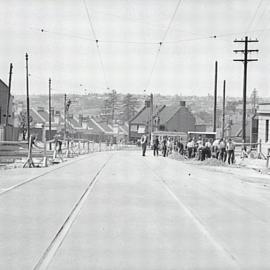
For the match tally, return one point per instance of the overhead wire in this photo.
(97, 44)
(154, 65)
(139, 42)
(171, 20)
(254, 15)
(161, 42)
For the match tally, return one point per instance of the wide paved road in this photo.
(119, 210)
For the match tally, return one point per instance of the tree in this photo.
(111, 106)
(129, 107)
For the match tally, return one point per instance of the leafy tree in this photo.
(129, 105)
(111, 106)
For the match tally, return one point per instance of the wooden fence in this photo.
(43, 153)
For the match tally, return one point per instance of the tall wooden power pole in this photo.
(223, 109)
(27, 99)
(151, 116)
(9, 90)
(215, 98)
(50, 113)
(65, 116)
(246, 41)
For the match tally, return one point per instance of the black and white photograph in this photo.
(134, 134)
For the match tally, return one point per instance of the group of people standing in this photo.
(220, 149)
(166, 146)
(201, 148)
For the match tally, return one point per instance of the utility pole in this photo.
(246, 41)
(113, 103)
(27, 99)
(215, 97)
(65, 116)
(151, 116)
(223, 109)
(8, 97)
(50, 113)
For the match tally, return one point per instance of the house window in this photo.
(266, 130)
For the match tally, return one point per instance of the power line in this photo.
(254, 16)
(154, 65)
(171, 20)
(264, 11)
(246, 41)
(163, 39)
(139, 42)
(97, 44)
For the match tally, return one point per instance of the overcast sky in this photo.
(129, 32)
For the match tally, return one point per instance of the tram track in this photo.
(59, 237)
(32, 179)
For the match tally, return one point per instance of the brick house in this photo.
(177, 118)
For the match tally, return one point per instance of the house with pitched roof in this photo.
(165, 118)
(3, 105)
(40, 118)
(7, 130)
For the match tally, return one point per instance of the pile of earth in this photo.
(177, 156)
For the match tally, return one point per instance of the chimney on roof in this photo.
(182, 103)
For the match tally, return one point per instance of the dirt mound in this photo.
(214, 162)
(176, 156)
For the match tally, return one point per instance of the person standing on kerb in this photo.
(156, 146)
(144, 144)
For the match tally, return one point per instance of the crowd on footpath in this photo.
(200, 149)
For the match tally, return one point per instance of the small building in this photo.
(7, 130)
(39, 118)
(263, 116)
(177, 118)
(3, 105)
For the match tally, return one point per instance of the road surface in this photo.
(119, 210)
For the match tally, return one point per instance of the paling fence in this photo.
(44, 153)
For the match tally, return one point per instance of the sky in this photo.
(60, 39)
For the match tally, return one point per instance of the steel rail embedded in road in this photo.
(6, 190)
(49, 253)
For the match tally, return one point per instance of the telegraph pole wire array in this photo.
(245, 61)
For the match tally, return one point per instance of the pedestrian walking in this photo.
(230, 151)
(156, 146)
(143, 144)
